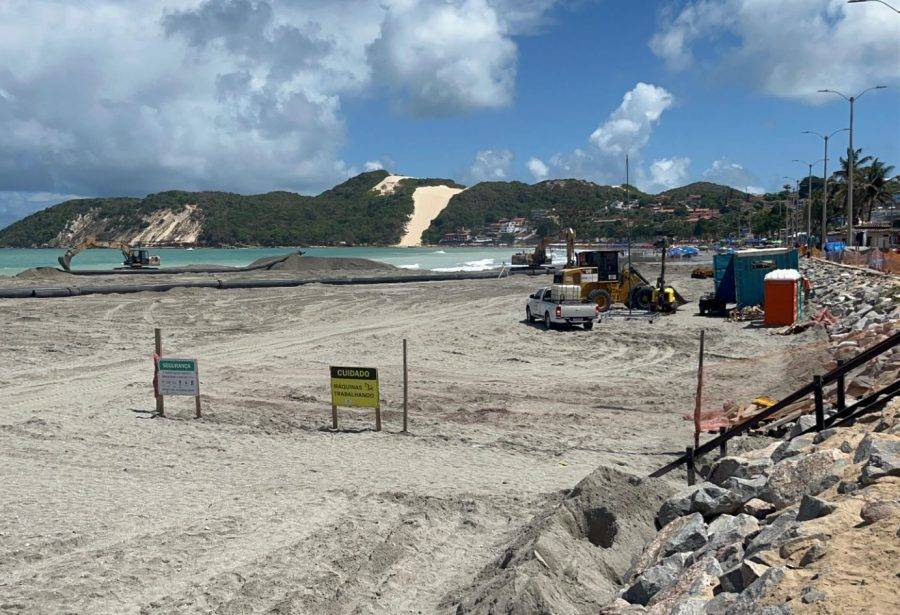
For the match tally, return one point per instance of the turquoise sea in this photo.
(14, 260)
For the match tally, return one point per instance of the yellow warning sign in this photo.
(354, 386)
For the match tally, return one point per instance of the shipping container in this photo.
(739, 276)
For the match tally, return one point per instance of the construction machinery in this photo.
(602, 282)
(135, 258)
(539, 256)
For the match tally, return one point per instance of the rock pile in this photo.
(777, 529)
(857, 298)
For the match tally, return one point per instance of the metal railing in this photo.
(816, 387)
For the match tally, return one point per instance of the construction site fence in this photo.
(877, 259)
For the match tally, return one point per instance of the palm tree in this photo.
(874, 187)
(843, 173)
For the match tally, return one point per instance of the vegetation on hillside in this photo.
(580, 204)
(350, 213)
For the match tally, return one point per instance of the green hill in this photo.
(350, 213)
(580, 204)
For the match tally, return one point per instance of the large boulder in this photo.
(745, 488)
(738, 467)
(680, 533)
(705, 498)
(812, 507)
(807, 421)
(804, 474)
(728, 529)
(881, 453)
(693, 589)
(793, 447)
(781, 529)
(748, 603)
(652, 580)
(689, 537)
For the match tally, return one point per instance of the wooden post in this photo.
(378, 416)
(723, 445)
(333, 416)
(197, 412)
(691, 471)
(699, 396)
(820, 406)
(405, 388)
(841, 390)
(160, 404)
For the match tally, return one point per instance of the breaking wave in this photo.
(479, 265)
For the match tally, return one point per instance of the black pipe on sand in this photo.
(113, 289)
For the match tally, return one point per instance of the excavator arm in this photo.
(65, 261)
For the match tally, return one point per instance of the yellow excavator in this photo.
(135, 258)
(539, 256)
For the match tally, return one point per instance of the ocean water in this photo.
(14, 260)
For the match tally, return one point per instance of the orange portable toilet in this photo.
(781, 291)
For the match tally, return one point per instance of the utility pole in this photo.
(808, 199)
(851, 162)
(825, 138)
(627, 224)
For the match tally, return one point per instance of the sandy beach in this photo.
(258, 507)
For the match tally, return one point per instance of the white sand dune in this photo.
(429, 201)
(389, 184)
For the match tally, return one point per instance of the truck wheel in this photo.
(547, 323)
(528, 315)
(640, 298)
(588, 326)
(601, 297)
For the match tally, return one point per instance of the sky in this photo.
(130, 97)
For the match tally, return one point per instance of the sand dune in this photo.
(429, 202)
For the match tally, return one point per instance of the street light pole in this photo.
(880, 1)
(851, 162)
(825, 138)
(808, 198)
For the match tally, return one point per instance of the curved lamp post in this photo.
(880, 1)
(852, 158)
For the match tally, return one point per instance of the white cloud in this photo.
(733, 174)
(668, 173)
(111, 97)
(373, 165)
(628, 128)
(538, 169)
(491, 165)
(788, 49)
(451, 56)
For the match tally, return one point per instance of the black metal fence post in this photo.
(841, 390)
(820, 405)
(723, 445)
(691, 471)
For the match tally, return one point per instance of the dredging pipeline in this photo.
(264, 265)
(114, 289)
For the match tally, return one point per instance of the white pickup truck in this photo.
(550, 305)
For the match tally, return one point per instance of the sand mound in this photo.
(571, 558)
(44, 274)
(325, 265)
